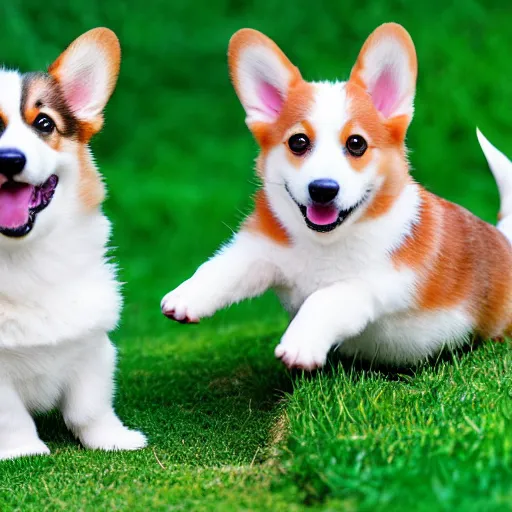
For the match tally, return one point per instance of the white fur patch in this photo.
(407, 337)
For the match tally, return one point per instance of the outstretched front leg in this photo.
(327, 317)
(241, 270)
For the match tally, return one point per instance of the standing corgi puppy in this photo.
(363, 258)
(59, 296)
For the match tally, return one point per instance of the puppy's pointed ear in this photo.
(87, 74)
(261, 74)
(387, 68)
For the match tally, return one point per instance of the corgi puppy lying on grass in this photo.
(59, 296)
(363, 258)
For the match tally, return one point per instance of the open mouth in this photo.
(324, 218)
(21, 202)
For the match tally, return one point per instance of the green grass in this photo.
(229, 428)
(436, 439)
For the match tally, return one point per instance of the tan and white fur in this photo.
(401, 273)
(59, 296)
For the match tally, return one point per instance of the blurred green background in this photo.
(178, 161)
(175, 151)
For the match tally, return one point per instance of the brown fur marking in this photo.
(263, 220)
(461, 261)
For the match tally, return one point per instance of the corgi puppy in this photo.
(59, 296)
(363, 258)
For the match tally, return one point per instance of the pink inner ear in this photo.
(385, 93)
(78, 92)
(271, 99)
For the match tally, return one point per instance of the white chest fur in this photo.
(41, 373)
(362, 253)
(59, 289)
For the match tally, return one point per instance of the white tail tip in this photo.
(498, 162)
(501, 167)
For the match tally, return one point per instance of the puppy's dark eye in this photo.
(299, 143)
(44, 123)
(2, 125)
(356, 145)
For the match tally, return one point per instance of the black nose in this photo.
(323, 191)
(12, 162)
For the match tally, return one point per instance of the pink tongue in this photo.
(14, 204)
(322, 215)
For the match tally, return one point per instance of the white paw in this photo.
(182, 304)
(302, 350)
(36, 447)
(112, 438)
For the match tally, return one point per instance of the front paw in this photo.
(178, 305)
(32, 447)
(302, 350)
